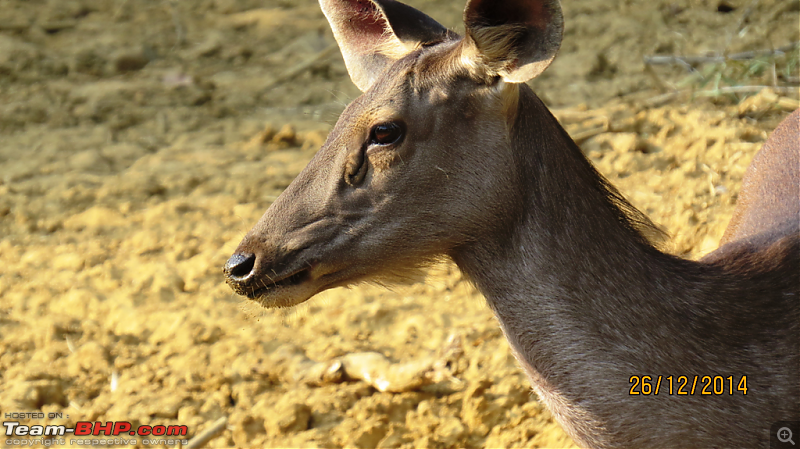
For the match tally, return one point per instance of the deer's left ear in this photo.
(373, 34)
(515, 39)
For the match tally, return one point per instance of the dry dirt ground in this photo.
(140, 140)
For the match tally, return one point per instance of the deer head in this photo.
(418, 165)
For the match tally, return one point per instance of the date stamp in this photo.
(687, 385)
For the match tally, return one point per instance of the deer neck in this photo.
(572, 240)
(573, 286)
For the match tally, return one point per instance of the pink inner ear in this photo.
(367, 25)
(538, 16)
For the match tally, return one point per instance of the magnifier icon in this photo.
(785, 435)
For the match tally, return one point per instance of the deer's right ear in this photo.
(513, 39)
(373, 34)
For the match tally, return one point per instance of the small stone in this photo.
(395, 437)
(287, 418)
(88, 61)
(624, 142)
(186, 413)
(370, 434)
(68, 262)
(450, 432)
(87, 160)
(478, 412)
(96, 217)
(168, 408)
(245, 428)
(262, 137)
(34, 394)
(89, 357)
(287, 136)
(210, 47)
(129, 62)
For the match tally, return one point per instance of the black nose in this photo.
(240, 266)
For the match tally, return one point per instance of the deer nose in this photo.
(240, 266)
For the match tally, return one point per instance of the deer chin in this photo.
(283, 290)
(291, 288)
(281, 296)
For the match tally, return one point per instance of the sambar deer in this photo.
(449, 154)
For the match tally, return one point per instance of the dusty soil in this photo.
(140, 140)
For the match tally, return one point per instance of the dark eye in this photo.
(386, 133)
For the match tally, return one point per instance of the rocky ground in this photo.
(140, 140)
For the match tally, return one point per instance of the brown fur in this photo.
(586, 303)
(770, 193)
(485, 175)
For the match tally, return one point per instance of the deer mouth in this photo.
(286, 289)
(283, 280)
(269, 285)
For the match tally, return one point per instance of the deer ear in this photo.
(373, 34)
(515, 39)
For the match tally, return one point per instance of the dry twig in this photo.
(744, 90)
(14, 27)
(734, 31)
(301, 67)
(180, 35)
(690, 61)
(580, 136)
(662, 99)
(374, 368)
(205, 436)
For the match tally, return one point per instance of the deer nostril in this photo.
(239, 266)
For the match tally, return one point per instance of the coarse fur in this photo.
(581, 328)
(482, 173)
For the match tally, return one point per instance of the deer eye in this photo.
(386, 133)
